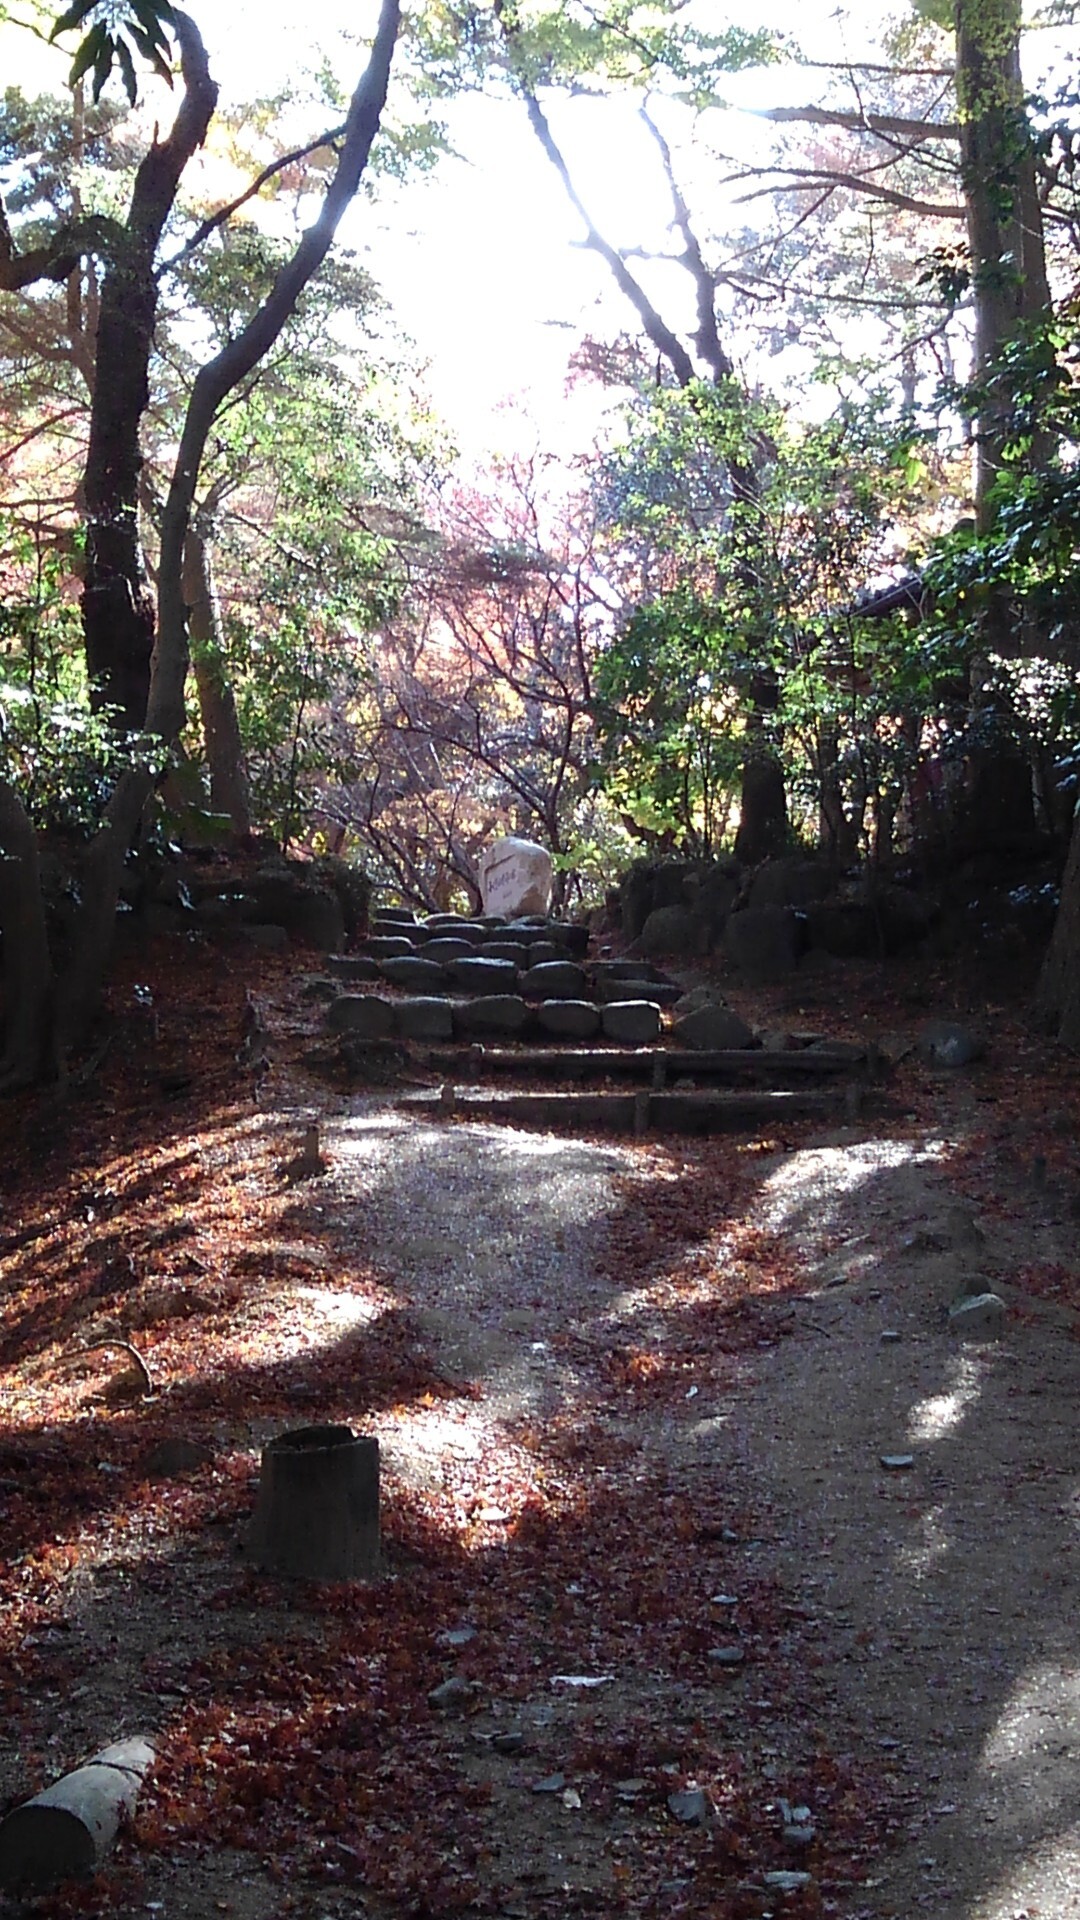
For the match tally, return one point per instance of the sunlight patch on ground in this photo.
(809, 1183)
(479, 1479)
(1047, 1694)
(933, 1418)
(921, 1556)
(1044, 1882)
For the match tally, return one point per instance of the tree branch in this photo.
(214, 220)
(859, 122)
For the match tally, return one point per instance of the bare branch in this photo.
(861, 122)
(214, 220)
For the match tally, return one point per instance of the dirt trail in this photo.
(633, 1402)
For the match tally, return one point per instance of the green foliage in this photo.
(637, 43)
(118, 31)
(746, 585)
(1028, 557)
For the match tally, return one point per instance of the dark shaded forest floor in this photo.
(633, 1400)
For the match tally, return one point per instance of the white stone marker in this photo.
(515, 877)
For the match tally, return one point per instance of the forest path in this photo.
(633, 1399)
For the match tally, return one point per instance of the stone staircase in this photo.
(477, 1003)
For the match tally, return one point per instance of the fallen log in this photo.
(66, 1831)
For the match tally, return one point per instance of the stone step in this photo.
(642, 1112)
(648, 1063)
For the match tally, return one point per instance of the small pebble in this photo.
(889, 1337)
(690, 1808)
(897, 1462)
(726, 1656)
(553, 1783)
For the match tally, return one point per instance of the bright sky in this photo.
(482, 263)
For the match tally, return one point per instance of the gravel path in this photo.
(941, 1595)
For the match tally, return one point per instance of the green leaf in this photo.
(150, 14)
(88, 53)
(103, 66)
(150, 53)
(127, 70)
(74, 17)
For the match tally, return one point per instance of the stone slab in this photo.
(413, 970)
(499, 1013)
(480, 975)
(425, 1018)
(363, 1015)
(569, 1019)
(635, 1022)
(554, 980)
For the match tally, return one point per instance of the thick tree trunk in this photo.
(763, 815)
(1057, 1000)
(219, 376)
(1004, 220)
(118, 610)
(24, 949)
(229, 792)
(79, 990)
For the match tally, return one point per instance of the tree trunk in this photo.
(118, 610)
(24, 949)
(763, 815)
(1057, 999)
(218, 377)
(79, 991)
(1004, 221)
(229, 793)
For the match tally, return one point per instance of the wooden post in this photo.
(317, 1512)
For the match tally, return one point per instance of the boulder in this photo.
(671, 930)
(554, 980)
(497, 1013)
(363, 1015)
(515, 877)
(713, 1030)
(413, 971)
(309, 913)
(764, 942)
(513, 950)
(385, 919)
(698, 997)
(903, 916)
(979, 1316)
(425, 1018)
(790, 881)
(449, 946)
(945, 1044)
(569, 1019)
(713, 900)
(636, 1022)
(352, 967)
(480, 975)
(271, 938)
(388, 946)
